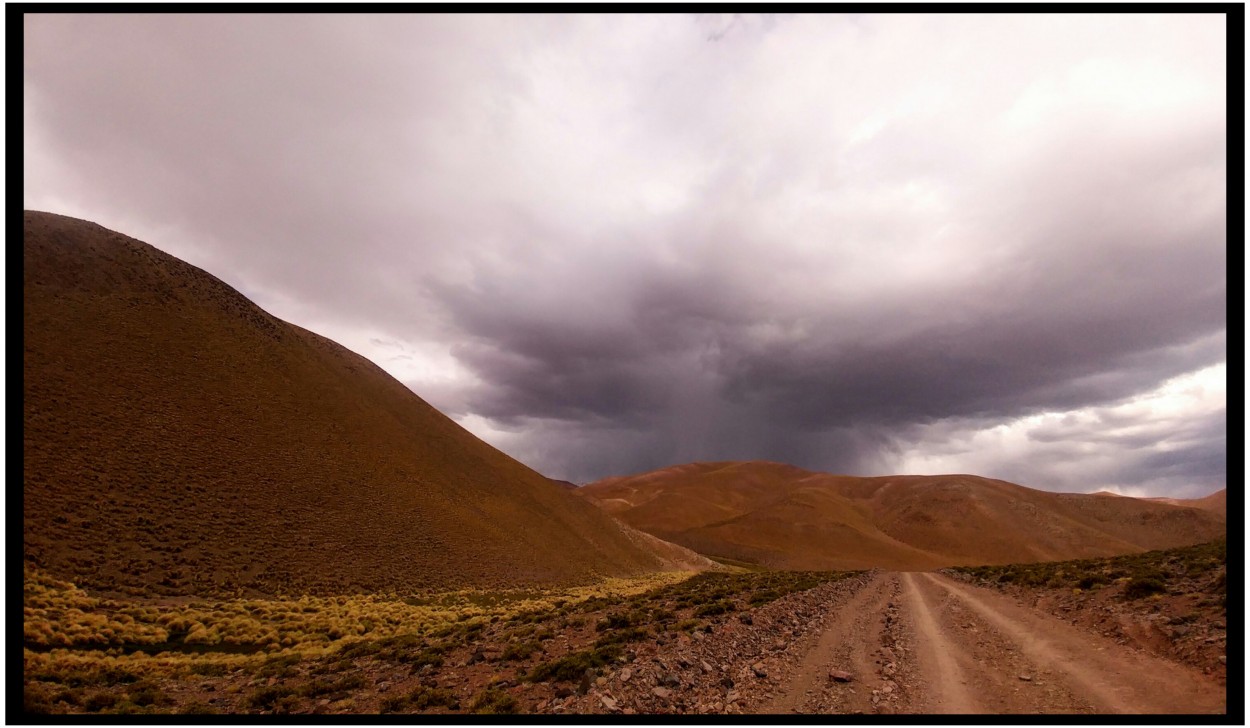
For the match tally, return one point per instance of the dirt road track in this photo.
(923, 643)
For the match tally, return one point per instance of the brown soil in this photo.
(177, 439)
(922, 643)
(781, 516)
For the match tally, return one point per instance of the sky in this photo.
(860, 244)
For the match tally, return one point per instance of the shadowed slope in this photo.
(783, 516)
(178, 439)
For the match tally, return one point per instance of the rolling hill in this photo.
(177, 439)
(786, 517)
(1217, 502)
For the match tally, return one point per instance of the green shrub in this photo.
(622, 636)
(421, 698)
(1138, 588)
(494, 701)
(520, 650)
(718, 607)
(574, 665)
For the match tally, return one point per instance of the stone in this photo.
(563, 692)
(727, 682)
(704, 666)
(625, 675)
(608, 703)
(1026, 678)
(601, 681)
(661, 693)
(840, 676)
(758, 669)
(779, 645)
(745, 619)
(1223, 659)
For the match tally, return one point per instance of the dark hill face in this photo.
(784, 517)
(177, 439)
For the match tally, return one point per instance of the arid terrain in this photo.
(752, 642)
(177, 439)
(780, 516)
(225, 513)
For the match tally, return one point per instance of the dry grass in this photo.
(343, 648)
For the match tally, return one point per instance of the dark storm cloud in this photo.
(612, 243)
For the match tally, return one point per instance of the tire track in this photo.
(1113, 678)
(840, 645)
(939, 668)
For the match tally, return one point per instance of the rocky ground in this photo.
(771, 642)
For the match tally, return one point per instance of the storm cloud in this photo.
(606, 243)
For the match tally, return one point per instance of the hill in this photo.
(785, 517)
(1217, 502)
(177, 439)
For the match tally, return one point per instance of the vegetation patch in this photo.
(1135, 575)
(494, 701)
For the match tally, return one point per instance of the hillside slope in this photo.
(1217, 502)
(785, 517)
(177, 439)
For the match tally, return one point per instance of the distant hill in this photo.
(177, 439)
(785, 517)
(565, 484)
(1217, 502)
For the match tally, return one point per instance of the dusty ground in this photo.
(923, 643)
(774, 643)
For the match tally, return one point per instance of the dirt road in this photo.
(923, 643)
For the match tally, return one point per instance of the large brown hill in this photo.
(1217, 502)
(177, 439)
(785, 517)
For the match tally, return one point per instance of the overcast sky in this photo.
(862, 244)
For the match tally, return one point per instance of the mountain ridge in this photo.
(783, 516)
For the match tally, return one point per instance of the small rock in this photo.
(625, 675)
(745, 619)
(731, 696)
(563, 692)
(727, 682)
(608, 703)
(839, 676)
(661, 693)
(704, 666)
(887, 689)
(670, 680)
(629, 711)
(779, 645)
(758, 669)
(601, 681)
(1223, 659)
(1026, 678)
